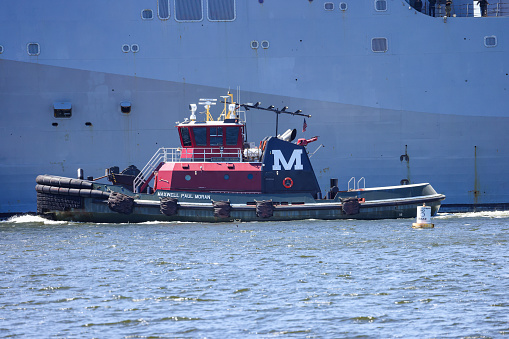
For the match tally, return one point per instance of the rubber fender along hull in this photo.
(95, 210)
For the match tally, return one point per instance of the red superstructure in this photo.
(242, 177)
(213, 157)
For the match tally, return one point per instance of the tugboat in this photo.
(217, 176)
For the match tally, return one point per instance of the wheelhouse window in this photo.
(216, 136)
(186, 137)
(200, 136)
(232, 136)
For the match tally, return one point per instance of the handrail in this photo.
(164, 155)
(351, 179)
(359, 183)
(501, 8)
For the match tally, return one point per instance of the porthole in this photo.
(33, 48)
(147, 14)
(404, 182)
(254, 44)
(328, 6)
(265, 44)
(187, 177)
(379, 45)
(135, 48)
(490, 41)
(126, 48)
(250, 176)
(380, 5)
(1, 49)
(343, 6)
(226, 177)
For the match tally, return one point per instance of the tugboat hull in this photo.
(93, 204)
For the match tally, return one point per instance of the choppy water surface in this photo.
(308, 279)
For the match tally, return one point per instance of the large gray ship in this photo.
(398, 94)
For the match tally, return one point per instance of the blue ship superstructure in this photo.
(397, 96)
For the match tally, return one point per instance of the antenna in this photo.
(192, 107)
(278, 111)
(207, 103)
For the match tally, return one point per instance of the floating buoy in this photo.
(423, 217)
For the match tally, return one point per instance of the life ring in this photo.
(287, 182)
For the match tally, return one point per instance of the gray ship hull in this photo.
(433, 107)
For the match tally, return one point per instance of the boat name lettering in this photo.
(279, 160)
(184, 195)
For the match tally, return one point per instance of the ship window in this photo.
(216, 136)
(379, 44)
(135, 48)
(188, 10)
(147, 14)
(163, 9)
(254, 44)
(265, 44)
(226, 177)
(232, 135)
(329, 6)
(200, 136)
(490, 41)
(250, 176)
(33, 48)
(343, 6)
(221, 10)
(380, 5)
(62, 109)
(1, 49)
(186, 138)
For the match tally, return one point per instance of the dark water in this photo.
(311, 279)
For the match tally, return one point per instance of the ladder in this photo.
(147, 173)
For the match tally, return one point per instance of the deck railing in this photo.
(494, 9)
(164, 155)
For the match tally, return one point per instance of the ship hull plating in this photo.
(432, 107)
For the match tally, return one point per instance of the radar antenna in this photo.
(207, 103)
(278, 111)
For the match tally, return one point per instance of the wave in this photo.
(483, 214)
(31, 219)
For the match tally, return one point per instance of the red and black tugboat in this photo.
(217, 176)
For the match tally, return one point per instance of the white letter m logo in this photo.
(279, 160)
